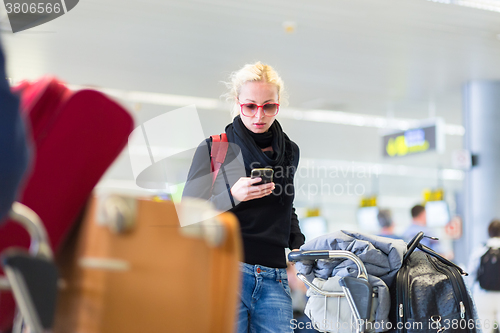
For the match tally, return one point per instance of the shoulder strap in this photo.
(488, 251)
(218, 154)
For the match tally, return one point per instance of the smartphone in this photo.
(265, 173)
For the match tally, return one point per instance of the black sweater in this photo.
(268, 226)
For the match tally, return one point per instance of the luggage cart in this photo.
(356, 290)
(32, 277)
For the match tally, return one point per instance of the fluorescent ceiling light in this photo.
(353, 119)
(322, 116)
(491, 5)
(157, 98)
(315, 168)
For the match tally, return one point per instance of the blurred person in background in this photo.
(13, 146)
(484, 278)
(266, 214)
(386, 223)
(419, 223)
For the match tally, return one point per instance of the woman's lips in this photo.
(259, 125)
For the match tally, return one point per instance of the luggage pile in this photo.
(74, 136)
(427, 291)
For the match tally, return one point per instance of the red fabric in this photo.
(42, 101)
(218, 154)
(76, 136)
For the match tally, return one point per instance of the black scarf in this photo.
(251, 145)
(263, 140)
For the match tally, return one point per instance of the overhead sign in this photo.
(312, 212)
(368, 201)
(416, 140)
(433, 195)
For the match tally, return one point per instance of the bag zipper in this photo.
(465, 306)
(444, 271)
(458, 288)
(399, 295)
(401, 282)
(406, 304)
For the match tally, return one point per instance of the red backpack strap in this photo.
(218, 154)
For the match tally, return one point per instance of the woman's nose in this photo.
(260, 112)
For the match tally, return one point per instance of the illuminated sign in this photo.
(412, 141)
(433, 195)
(368, 201)
(312, 212)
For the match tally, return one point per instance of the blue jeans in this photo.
(266, 302)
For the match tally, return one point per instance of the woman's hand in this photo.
(244, 190)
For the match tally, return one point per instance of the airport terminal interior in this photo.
(393, 105)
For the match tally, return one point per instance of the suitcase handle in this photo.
(329, 254)
(107, 264)
(441, 258)
(412, 245)
(26, 217)
(415, 243)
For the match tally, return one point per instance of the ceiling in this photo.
(406, 58)
(392, 58)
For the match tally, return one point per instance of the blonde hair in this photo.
(253, 73)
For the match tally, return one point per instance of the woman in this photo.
(267, 218)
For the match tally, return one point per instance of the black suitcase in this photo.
(429, 294)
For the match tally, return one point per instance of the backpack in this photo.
(218, 152)
(429, 294)
(489, 270)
